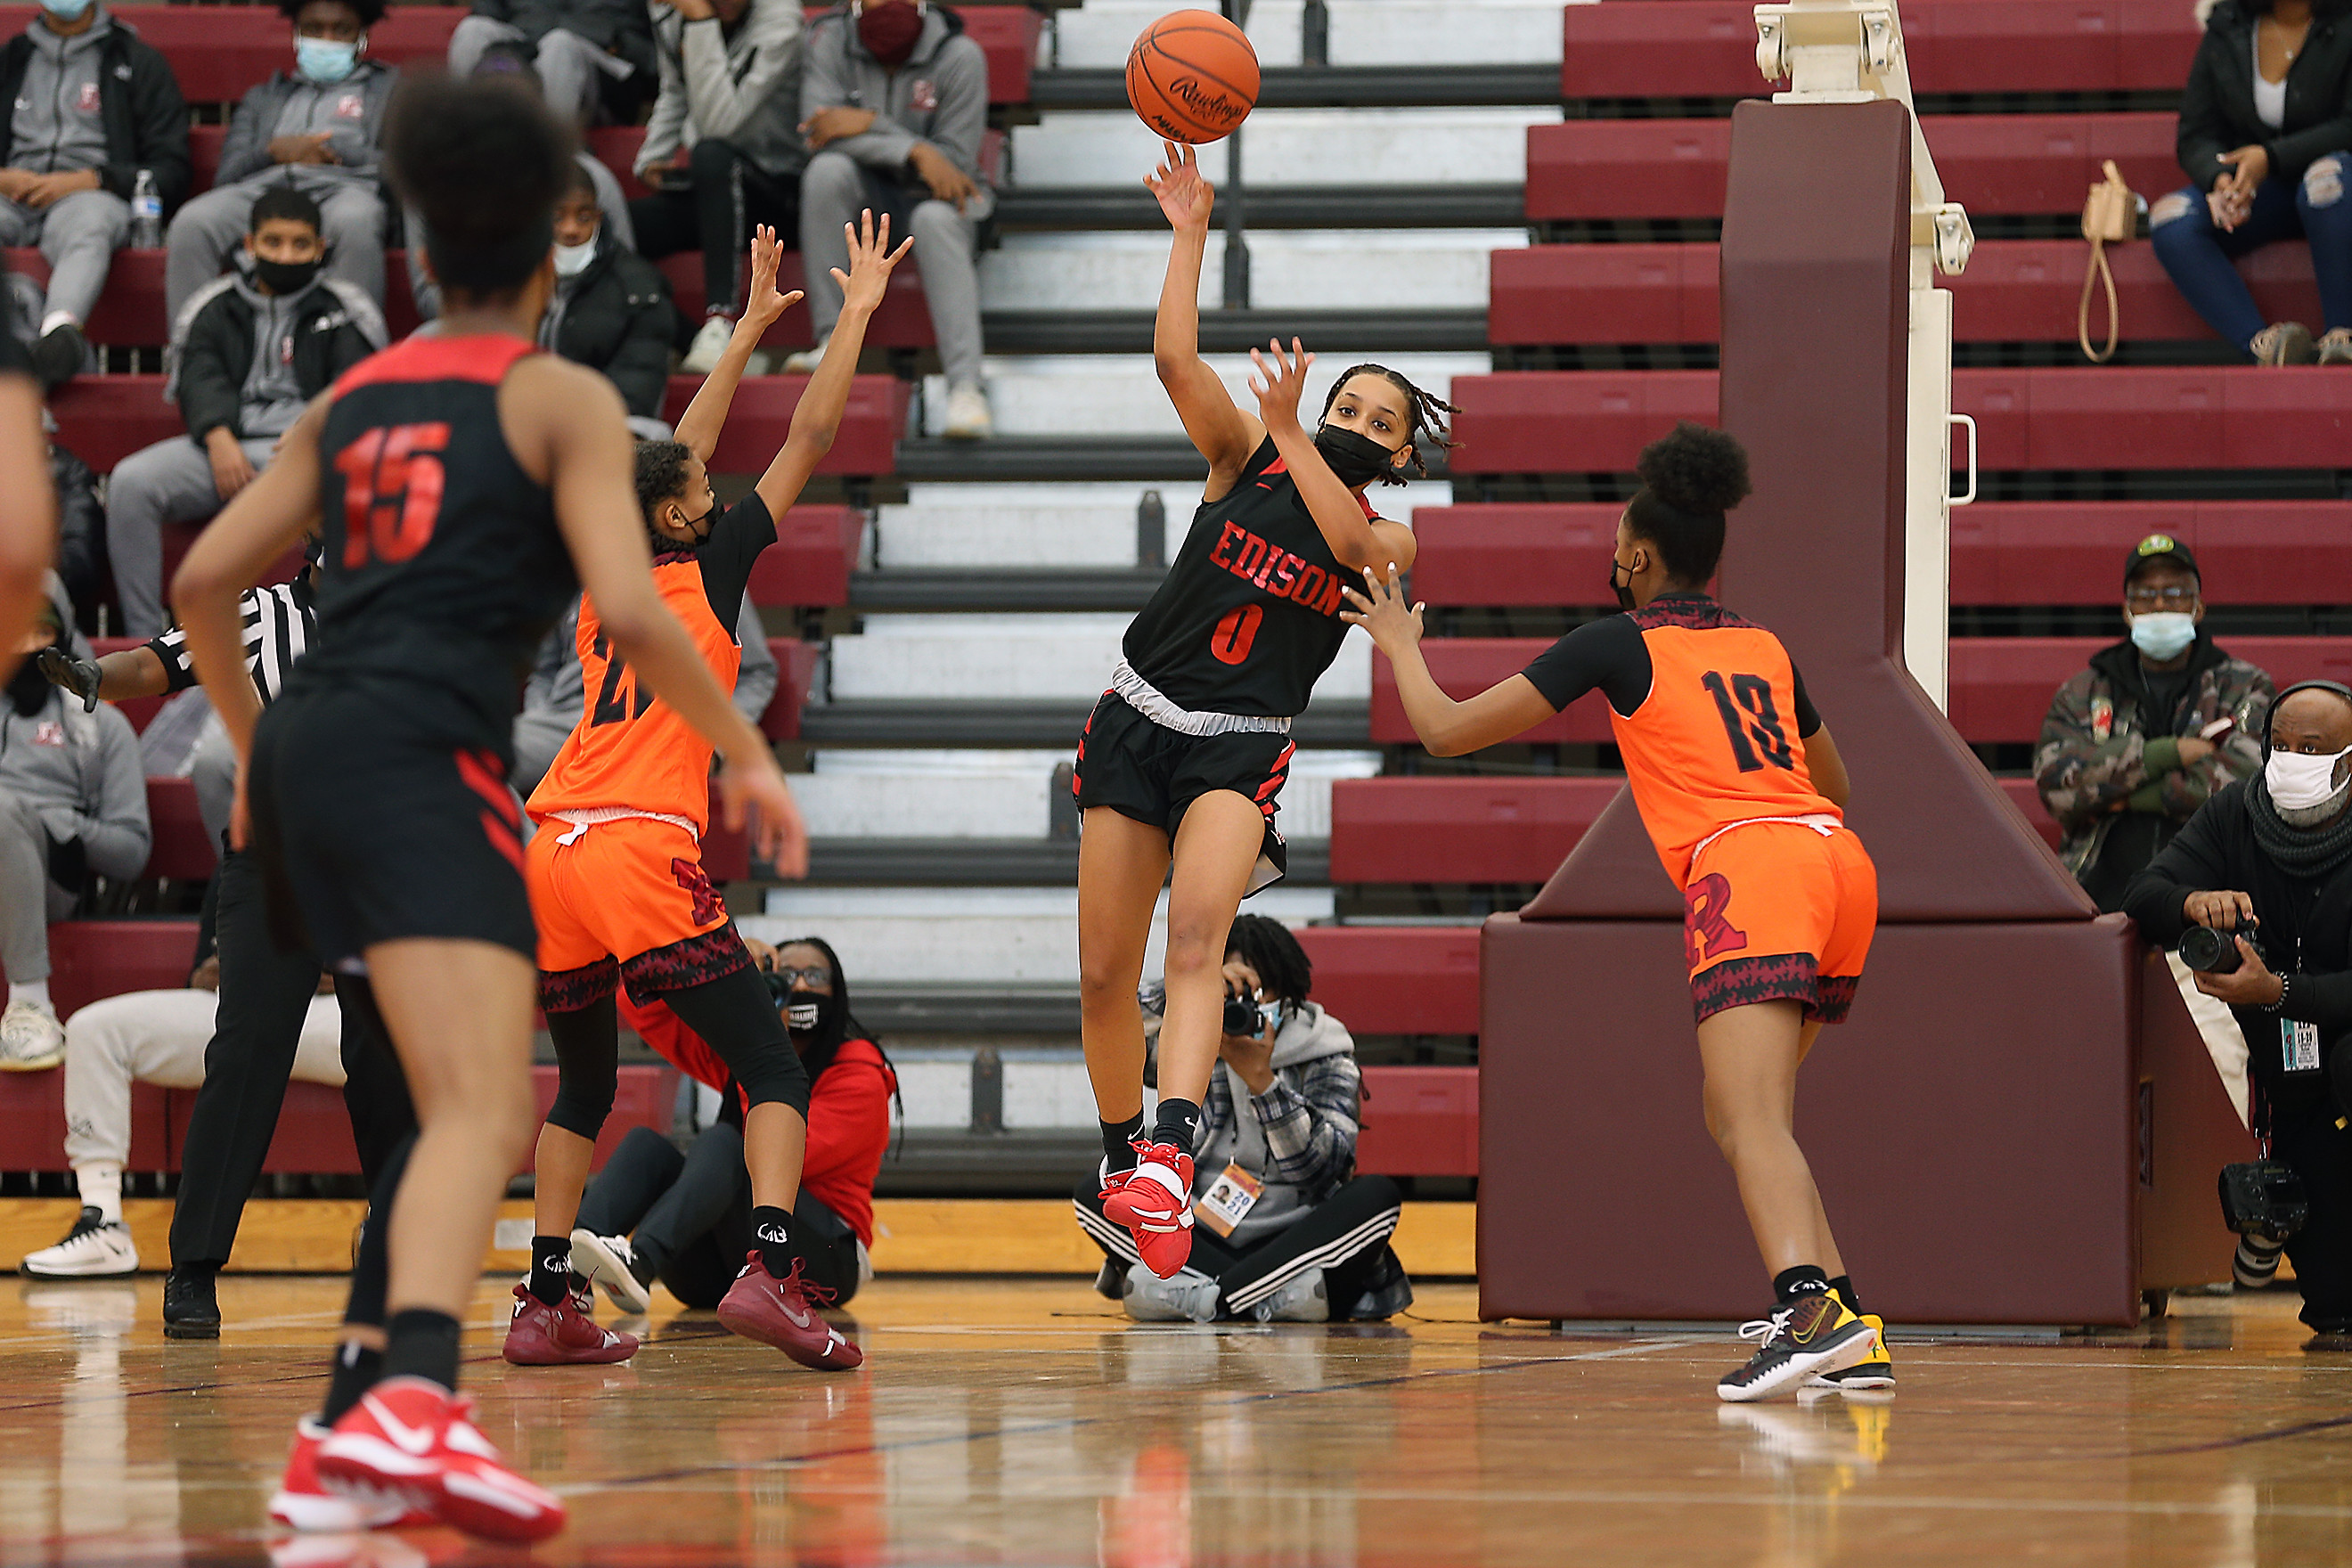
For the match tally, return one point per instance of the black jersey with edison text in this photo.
(1247, 619)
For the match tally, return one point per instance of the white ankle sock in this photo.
(102, 1188)
(29, 991)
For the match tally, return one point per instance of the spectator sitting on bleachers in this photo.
(149, 1036)
(73, 805)
(2266, 129)
(590, 55)
(316, 127)
(94, 110)
(722, 152)
(2136, 742)
(554, 695)
(81, 528)
(611, 310)
(1296, 1235)
(248, 353)
(893, 101)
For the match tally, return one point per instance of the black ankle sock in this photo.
(1842, 1288)
(551, 1267)
(1804, 1279)
(773, 1227)
(1118, 1142)
(421, 1343)
(355, 1371)
(1180, 1123)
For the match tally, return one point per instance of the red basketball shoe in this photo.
(563, 1334)
(1155, 1203)
(303, 1504)
(782, 1314)
(413, 1442)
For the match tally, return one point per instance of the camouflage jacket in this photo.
(2095, 760)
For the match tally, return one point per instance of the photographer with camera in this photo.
(2256, 893)
(1284, 1231)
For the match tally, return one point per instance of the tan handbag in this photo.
(2110, 217)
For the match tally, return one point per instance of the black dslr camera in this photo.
(2210, 951)
(2263, 1199)
(1242, 1015)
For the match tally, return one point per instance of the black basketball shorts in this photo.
(381, 812)
(1142, 768)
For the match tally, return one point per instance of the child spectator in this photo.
(611, 310)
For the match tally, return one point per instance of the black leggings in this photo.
(1346, 1236)
(691, 1216)
(732, 1012)
(715, 214)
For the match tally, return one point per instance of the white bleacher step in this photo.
(1321, 269)
(1016, 658)
(1045, 1087)
(1289, 147)
(1360, 32)
(948, 935)
(1119, 395)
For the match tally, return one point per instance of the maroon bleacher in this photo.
(2015, 290)
(2003, 552)
(1706, 48)
(1419, 1121)
(815, 550)
(182, 851)
(1992, 164)
(2091, 417)
(90, 959)
(1399, 980)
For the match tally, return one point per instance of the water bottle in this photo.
(146, 213)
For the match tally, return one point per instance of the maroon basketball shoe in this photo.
(563, 1334)
(782, 1314)
(1155, 1203)
(413, 1442)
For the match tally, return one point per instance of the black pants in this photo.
(2306, 1138)
(1346, 1236)
(265, 992)
(691, 1216)
(728, 196)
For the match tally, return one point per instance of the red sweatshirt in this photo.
(848, 1114)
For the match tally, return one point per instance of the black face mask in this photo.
(286, 278)
(1622, 592)
(28, 688)
(1356, 459)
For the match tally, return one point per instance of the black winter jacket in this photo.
(617, 317)
(2306, 925)
(146, 118)
(336, 326)
(2217, 106)
(81, 527)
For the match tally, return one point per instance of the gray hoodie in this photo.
(349, 111)
(741, 88)
(82, 773)
(939, 96)
(58, 124)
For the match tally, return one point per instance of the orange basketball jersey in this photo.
(632, 751)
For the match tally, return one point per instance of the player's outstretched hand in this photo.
(765, 304)
(1184, 196)
(1279, 379)
(1381, 610)
(778, 836)
(871, 262)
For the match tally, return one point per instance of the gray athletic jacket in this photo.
(352, 109)
(741, 88)
(939, 96)
(83, 775)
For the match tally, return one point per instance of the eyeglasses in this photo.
(816, 977)
(2173, 598)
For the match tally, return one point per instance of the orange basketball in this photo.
(1193, 76)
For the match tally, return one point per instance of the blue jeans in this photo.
(2198, 256)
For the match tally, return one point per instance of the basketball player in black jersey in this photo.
(1183, 757)
(462, 478)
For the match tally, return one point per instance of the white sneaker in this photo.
(1188, 1296)
(95, 1248)
(702, 355)
(31, 1038)
(611, 1262)
(970, 418)
(805, 362)
(1304, 1299)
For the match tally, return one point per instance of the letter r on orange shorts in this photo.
(1778, 911)
(624, 900)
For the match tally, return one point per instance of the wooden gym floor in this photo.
(1023, 1422)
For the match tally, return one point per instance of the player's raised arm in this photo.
(1449, 729)
(1224, 435)
(706, 417)
(1373, 543)
(818, 418)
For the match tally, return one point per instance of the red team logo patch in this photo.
(1706, 934)
(349, 107)
(926, 96)
(87, 102)
(697, 881)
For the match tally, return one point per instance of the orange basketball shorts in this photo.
(625, 901)
(1778, 911)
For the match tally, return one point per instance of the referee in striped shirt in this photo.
(265, 991)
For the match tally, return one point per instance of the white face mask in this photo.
(2301, 783)
(571, 261)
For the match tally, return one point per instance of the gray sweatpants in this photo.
(835, 190)
(568, 64)
(29, 900)
(78, 236)
(171, 481)
(207, 231)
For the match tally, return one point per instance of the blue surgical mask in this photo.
(2163, 634)
(325, 60)
(65, 10)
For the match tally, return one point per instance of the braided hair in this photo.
(1284, 973)
(1426, 410)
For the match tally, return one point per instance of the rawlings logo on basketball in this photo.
(1205, 100)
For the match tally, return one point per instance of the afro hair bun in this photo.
(370, 12)
(1695, 470)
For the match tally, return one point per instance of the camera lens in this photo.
(1240, 1015)
(2208, 951)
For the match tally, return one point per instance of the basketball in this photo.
(1193, 77)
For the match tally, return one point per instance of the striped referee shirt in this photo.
(281, 625)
